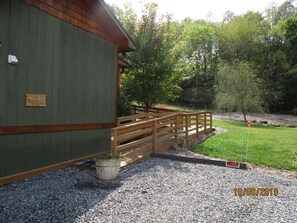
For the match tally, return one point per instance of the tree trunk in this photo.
(147, 107)
(244, 116)
(243, 111)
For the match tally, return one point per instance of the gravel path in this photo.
(269, 119)
(155, 190)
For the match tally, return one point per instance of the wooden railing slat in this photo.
(187, 128)
(170, 122)
(134, 134)
(165, 147)
(157, 130)
(154, 136)
(167, 137)
(134, 143)
(165, 130)
(140, 149)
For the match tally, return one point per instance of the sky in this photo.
(201, 9)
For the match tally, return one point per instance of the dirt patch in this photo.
(266, 119)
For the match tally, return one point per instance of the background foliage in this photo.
(238, 88)
(182, 61)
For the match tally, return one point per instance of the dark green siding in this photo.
(76, 70)
(4, 24)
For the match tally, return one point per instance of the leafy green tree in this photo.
(127, 16)
(273, 60)
(270, 64)
(259, 39)
(183, 57)
(150, 79)
(240, 36)
(290, 78)
(238, 89)
(124, 104)
(275, 13)
(199, 63)
(291, 38)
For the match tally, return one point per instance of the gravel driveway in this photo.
(155, 190)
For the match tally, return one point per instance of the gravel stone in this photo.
(155, 190)
(266, 119)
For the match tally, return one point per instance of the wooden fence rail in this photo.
(140, 117)
(141, 109)
(139, 135)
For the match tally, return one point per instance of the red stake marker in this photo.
(232, 164)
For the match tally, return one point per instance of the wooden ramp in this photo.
(139, 135)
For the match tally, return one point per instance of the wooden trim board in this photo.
(35, 172)
(11, 130)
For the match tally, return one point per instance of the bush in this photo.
(124, 104)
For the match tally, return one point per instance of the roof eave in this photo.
(126, 45)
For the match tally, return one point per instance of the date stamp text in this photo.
(251, 191)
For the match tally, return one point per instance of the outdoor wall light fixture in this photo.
(12, 59)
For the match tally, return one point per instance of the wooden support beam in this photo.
(197, 124)
(187, 128)
(154, 136)
(204, 124)
(210, 121)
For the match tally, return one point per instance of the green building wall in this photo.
(74, 68)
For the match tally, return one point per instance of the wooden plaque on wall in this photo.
(35, 100)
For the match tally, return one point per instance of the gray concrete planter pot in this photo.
(107, 169)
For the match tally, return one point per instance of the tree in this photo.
(174, 57)
(238, 89)
(290, 79)
(126, 16)
(291, 38)
(276, 13)
(259, 39)
(240, 36)
(150, 79)
(198, 60)
(124, 104)
(273, 60)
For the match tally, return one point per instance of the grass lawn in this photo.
(270, 146)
